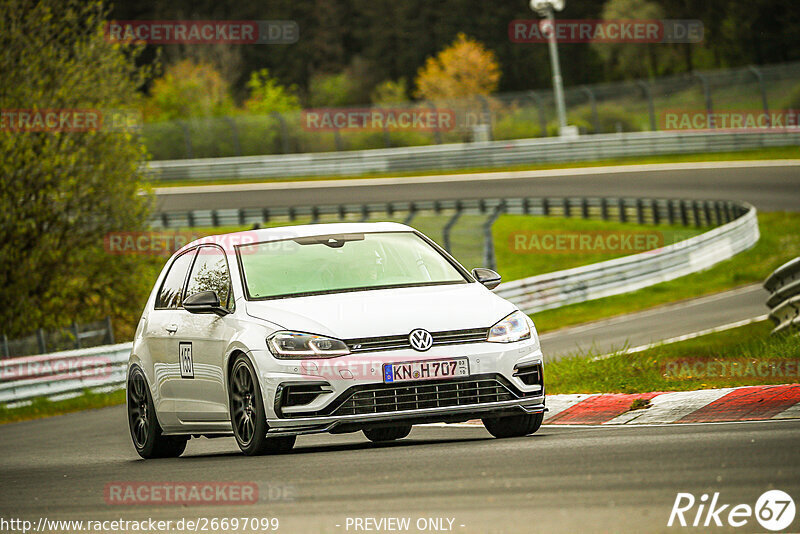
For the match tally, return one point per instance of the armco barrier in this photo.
(60, 373)
(630, 273)
(784, 300)
(63, 373)
(469, 155)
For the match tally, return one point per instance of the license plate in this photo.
(427, 370)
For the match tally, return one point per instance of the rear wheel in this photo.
(146, 433)
(388, 433)
(513, 426)
(248, 418)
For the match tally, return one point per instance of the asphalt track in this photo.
(658, 324)
(562, 479)
(768, 185)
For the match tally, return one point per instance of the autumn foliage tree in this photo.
(189, 89)
(463, 69)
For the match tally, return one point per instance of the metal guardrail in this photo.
(634, 272)
(63, 374)
(71, 372)
(468, 155)
(784, 300)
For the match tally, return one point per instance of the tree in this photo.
(268, 96)
(627, 58)
(463, 69)
(189, 89)
(62, 191)
(390, 92)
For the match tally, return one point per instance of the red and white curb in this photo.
(747, 403)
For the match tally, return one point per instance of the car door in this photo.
(203, 339)
(160, 335)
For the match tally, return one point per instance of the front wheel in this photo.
(146, 433)
(248, 417)
(389, 433)
(513, 426)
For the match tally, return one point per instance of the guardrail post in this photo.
(235, 134)
(6, 353)
(656, 214)
(566, 207)
(284, 131)
(684, 215)
(727, 210)
(670, 212)
(449, 225)
(314, 214)
(585, 208)
(190, 218)
(542, 117)
(187, 140)
(707, 213)
(364, 212)
(639, 211)
(40, 341)
(526, 206)
(342, 212)
(593, 102)
(760, 78)
(707, 96)
(412, 212)
(696, 213)
(164, 219)
(604, 208)
(546, 206)
(265, 215)
(650, 107)
(623, 217)
(77, 335)
(109, 330)
(489, 258)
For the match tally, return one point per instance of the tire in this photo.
(146, 433)
(514, 426)
(248, 418)
(388, 433)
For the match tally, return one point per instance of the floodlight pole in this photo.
(558, 83)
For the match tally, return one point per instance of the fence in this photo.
(784, 300)
(469, 155)
(75, 336)
(632, 106)
(736, 230)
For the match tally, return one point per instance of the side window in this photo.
(210, 273)
(170, 294)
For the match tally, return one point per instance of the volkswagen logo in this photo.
(420, 339)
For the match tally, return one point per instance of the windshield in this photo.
(343, 262)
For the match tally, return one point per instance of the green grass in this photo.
(744, 155)
(672, 367)
(779, 242)
(44, 408)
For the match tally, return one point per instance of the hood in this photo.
(385, 312)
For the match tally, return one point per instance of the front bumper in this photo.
(451, 414)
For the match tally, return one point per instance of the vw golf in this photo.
(372, 327)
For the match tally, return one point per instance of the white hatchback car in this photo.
(347, 327)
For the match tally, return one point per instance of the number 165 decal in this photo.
(187, 365)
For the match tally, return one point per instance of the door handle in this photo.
(172, 328)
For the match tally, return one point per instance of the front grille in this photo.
(449, 337)
(420, 395)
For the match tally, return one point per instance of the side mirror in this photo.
(204, 302)
(487, 277)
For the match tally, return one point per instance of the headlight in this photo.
(514, 327)
(301, 345)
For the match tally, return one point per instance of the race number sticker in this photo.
(187, 365)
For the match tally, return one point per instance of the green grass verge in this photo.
(45, 408)
(779, 242)
(723, 359)
(791, 152)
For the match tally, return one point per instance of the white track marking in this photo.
(513, 175)
(791, 413)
